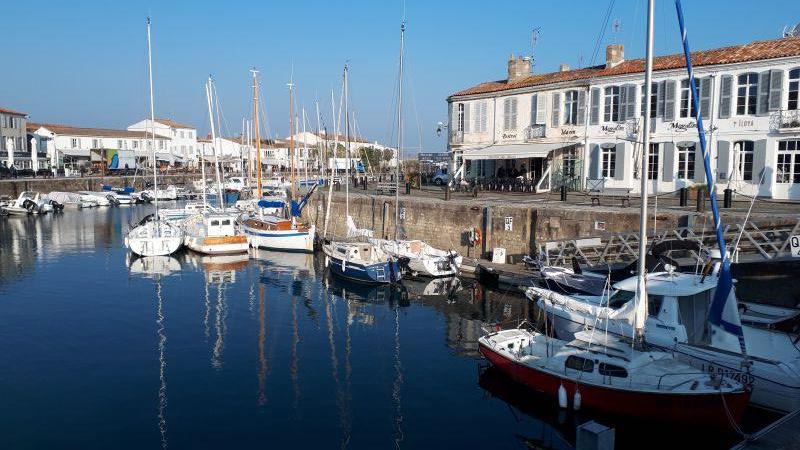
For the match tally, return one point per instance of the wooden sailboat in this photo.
(614, 375)
(153, 236)
(281, 231)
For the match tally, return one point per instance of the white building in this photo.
(182, 138)
(68, 147)
(540, 125)
(232, 153)
(14, 150)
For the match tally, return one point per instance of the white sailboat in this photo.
(209, 232)
(615, 374)
(153, 236)
(423, 259)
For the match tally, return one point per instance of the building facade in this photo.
(75, 148)
(581, 127)
(14, 149)
(182, 139)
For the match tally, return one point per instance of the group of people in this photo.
(513, 172)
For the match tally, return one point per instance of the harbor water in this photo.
(99, 350)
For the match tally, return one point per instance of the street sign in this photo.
(794, 242)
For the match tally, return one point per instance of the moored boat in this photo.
(214, 234)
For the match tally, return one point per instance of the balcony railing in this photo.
(785, 120)
(535, 132)
(456, 137)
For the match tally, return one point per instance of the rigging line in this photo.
(602, 32)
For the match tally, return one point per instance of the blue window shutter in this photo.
(723, 158)
(725, 96)
(594, 116)
(763, 93)
(705, 97)
(594, 162)
(669, 100)
(775, 89)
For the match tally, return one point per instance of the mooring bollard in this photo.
(564, 193)
(727, 202)
(701, 200)
(684, 193)
(408, 188)
(475, 191)
(447, 192)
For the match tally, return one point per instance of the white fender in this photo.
(562, 396)
(576, 400)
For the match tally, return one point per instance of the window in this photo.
(571, 108)
(687, 106)
(135, 145)
(570, 160)
(460, 117)
(654, 100)
(226, 222)
(611, 111)
(747, 95)
(215, 223)
(119, 143)
(743, 152)
(609, 158)
(510, 114)
(686, 155)
(794, 88)
(788, 168)
(95, 143)
(577, 363)
(74, 142)
(652, 162)
(611, 370)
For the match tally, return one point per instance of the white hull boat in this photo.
(214, 234)
(28, 202)
(154, 238)
(423, 259)
(274, 233)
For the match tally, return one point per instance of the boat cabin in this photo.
(220, 225)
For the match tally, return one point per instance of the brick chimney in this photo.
(518, 68)
(563, 68)
(615, 54)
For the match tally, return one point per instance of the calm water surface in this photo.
(98, 351)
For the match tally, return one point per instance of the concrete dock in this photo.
(783, 434)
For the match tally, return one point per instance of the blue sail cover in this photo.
(723, 314)
(270, 204)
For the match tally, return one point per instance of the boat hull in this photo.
(283, 240)
(155, 238)
(696, 410)
(379, 273)
(223, 245)
(775, 385)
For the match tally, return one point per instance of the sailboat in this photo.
(214, 232)
(153, 236)
(282, 231)
(423, 259)
(612, 374)
(365, 262)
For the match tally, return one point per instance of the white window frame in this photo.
(747, 104)
(686, 105)
(653, 160)
(787, 167)
(608, 161)
(687, 155)
(611, 106)
(460, 117)
(794, 89)
(744, 152)
(571, 107)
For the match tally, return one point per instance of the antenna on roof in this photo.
(791, 31)
(615, 28)
(534, 37)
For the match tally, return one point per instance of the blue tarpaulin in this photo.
(270, 204)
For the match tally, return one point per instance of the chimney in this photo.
(615, 54)
(518, 68)
(563, 68)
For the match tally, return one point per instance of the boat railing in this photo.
(714, 375)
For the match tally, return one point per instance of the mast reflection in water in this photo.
(262, 350)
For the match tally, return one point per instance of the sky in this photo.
(84, 63)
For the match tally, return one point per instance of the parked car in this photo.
(441, 176)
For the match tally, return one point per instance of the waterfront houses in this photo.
(181, 139)
(582, 127)
(74, 148)
(13, 140)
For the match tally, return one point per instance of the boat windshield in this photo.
(619, 298)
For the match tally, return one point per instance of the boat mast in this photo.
(399, 136)
(211, 98)
(257, 130)
(641, 285)
(347, 145)
(332, 169)
(152, 119)
(203, 154)
(305, 146)
(291, 139)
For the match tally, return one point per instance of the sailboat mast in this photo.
(291, 140)
(347, 144)
(214, 142)
(399, 135)
(333, 166)
(257, 131)
(641, 285)
(305, 146)
(203, 152)
(152, 118)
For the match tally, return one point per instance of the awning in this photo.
(76, 152)
(166, 157)
(515, 151)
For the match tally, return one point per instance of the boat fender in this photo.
(476, 237)
(327, 262)
(562, 396)
(576, 400)
(344, 266)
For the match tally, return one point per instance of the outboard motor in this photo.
(31, 206)
(113, 199)
(57, 207)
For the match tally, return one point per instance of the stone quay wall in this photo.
(14, 187)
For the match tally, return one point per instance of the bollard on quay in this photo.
(684, 196)
(564, 193)
(701, 200)
(727, 201)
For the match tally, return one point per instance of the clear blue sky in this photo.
(83, 63)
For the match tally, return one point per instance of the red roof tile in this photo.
(90, 132)
(754, 51)
(11, 111)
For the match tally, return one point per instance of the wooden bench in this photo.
(386, 188)
(597, 190)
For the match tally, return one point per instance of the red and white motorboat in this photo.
(606, 374)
